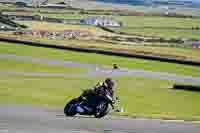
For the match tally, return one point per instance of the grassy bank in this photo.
(34, 25)
(158, 49)
(100, 59)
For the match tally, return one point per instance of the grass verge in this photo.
(28, 66)
(140, 97)
(92, 58)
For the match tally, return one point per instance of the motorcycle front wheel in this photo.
(69, 109)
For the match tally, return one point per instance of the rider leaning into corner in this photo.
(100, 89)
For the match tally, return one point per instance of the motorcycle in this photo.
(98, 106)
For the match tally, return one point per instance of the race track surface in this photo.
(28, 119)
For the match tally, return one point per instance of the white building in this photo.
(102, 21)
(196, 44)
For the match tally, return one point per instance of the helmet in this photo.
(108, 82)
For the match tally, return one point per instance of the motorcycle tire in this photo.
(104, 110)
(69, 110)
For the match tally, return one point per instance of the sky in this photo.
(182, 0)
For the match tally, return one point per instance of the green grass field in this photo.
(140, 97)
(159, 26)
(158, 21)
(163, 33)
(23, 66)
(133, 25)
(101, 59)
(141, 21)
(132, 21)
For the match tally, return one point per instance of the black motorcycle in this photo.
(98, 106)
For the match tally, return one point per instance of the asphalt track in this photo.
(28, 119)
(94, 70)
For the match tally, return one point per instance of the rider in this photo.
(100, 89)
(103, 87)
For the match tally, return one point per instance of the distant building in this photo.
(101, 21)
(31, 3)
(196, 44)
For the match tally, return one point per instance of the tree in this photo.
(21, 4)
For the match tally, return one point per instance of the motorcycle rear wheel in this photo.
(103, 110)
